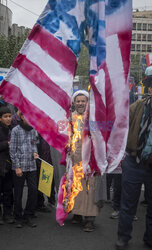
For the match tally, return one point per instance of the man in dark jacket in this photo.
(136, 170)
(5, 166)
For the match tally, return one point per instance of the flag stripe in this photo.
(98, 142)
(110, 110)
(41, 80)
(52, 68)
(116, 72)
(37, 118)
(93, 164)
(54, 47)
(125, 50)
(118, 137)
(100, 113)
(148, 59)
(99, 147)
(32, 92)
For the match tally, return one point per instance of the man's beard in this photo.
(81, 110)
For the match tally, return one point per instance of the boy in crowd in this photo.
(23, 152)
(6, 186)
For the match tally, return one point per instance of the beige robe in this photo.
(84, 202)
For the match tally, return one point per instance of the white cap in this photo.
(80, 92)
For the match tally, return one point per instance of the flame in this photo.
(76, 186)
(68, 202)
(77, 120)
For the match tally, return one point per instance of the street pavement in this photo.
(48, 235)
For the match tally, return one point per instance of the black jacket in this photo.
(5, 162)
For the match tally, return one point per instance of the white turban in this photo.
(80, 92)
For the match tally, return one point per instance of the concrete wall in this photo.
(5, 19)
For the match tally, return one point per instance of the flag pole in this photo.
(44, 161)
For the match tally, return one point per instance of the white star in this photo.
(65, 32)
(78, 12)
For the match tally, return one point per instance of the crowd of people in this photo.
(21, 146)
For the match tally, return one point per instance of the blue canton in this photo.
(71, 22)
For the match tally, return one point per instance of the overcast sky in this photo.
(23, 17)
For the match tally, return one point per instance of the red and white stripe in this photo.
(34, 84)
(118, 76)
(149, 59)
(110, 92)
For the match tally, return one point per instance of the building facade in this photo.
(142, 32)
(19, 31)
(5, 19)
(141, 42)
(6, 27)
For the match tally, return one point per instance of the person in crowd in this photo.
(148, 80)
(116, 196)
(136, 170)
(6, 184)
(132, 93)
(59, 169)
(44, 153)
(15, 119)
(109, 182)
(11, 107)
(23, 152)
(84, 205)
(116, 199)
(148, 71)
(144, 201)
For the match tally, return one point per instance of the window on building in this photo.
(138, 37)
(134, 26)
(133, 37)
(132, 47)
(149, 37)
(132, 57)
(149, 48)
(143, 47)
(138, 47)
(149, 26)
(138, 26)
(144, 26)
(143, 37)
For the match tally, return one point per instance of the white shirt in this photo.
(148, 71)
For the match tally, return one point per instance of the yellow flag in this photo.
(45, 179)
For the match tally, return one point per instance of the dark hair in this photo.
(4, 110)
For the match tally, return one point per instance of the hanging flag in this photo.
(45, 179)
(110, 28)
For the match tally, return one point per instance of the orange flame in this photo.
(68, 202)
(76, 131)
(76, 185)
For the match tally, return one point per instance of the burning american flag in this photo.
(40, 80)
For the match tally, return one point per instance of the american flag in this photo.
(40, 80)
(109, 67)
(148, 59)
